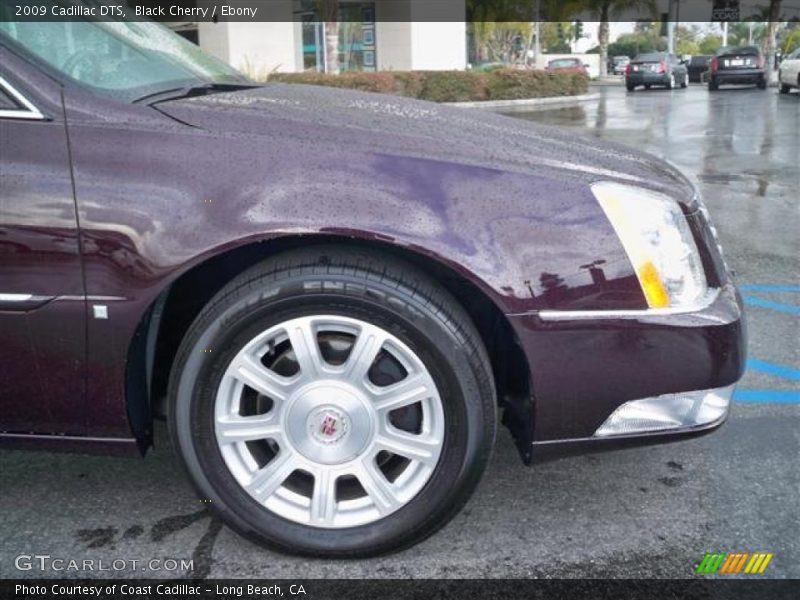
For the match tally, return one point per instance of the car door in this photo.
(791, 74)
(42, 303)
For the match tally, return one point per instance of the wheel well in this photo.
(172, 313)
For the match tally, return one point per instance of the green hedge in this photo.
(451, 86)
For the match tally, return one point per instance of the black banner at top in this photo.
(175, 11)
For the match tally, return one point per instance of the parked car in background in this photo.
(619, 64)
(698, 65)
(789, 72)
(334, 326)
(657, 68)
(743, 65)
(567, 64)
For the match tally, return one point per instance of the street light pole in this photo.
(670, 29)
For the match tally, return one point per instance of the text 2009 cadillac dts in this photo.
(335, 292)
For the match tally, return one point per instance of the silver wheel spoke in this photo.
(252, 373)
(306, 349)
(323, 500)
(267, 481)
(246, 429)
(414, 388)
(422, 448)
(378, 488)
(365, 349)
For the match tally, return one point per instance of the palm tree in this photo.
(329, 10)
(603, 10)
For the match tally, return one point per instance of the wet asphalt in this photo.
(648, 512)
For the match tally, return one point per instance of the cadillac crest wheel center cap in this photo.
(328, 425)
(330, 422)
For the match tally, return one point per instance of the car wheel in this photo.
(331, 403)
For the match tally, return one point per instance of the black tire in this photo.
(355, 283)
(785, 89)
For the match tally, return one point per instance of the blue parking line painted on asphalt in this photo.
(768, 396)
(777, 306)
(769, 287)
(763, 366)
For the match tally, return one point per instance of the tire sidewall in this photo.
(468, 427)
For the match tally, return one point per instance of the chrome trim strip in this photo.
(62, 438)
(29, 112)
(579, 315)
(15, 297)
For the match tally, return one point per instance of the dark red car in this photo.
(332, 294)
(567, 64)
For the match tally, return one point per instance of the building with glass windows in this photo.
(373, 35)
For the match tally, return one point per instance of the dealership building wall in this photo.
(384, 35)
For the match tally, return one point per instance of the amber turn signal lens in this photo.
(654, 290)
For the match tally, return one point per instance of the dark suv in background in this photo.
(698, 65)
(737, 65)
(657, 68)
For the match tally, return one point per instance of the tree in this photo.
(686, 41)
(710, 43)
(631, 44)
(739, 34)
(329, 10)
(603, 10)
(501, 41)
(791, 42)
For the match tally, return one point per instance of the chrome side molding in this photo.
(22, 302)
(15, 297)
(26, 111)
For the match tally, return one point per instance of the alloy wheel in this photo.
(329, 421)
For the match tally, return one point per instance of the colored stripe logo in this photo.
(734, 562)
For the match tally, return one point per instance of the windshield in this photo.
(751, 50)
(124, 60)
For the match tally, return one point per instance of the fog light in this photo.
(670, 411)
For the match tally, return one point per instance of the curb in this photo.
(616, 80)
(527, 102)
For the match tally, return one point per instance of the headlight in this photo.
(658, 241)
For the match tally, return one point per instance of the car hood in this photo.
(348, 122)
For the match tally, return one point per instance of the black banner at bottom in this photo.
(380, 589)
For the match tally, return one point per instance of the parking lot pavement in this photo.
(649, 512)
